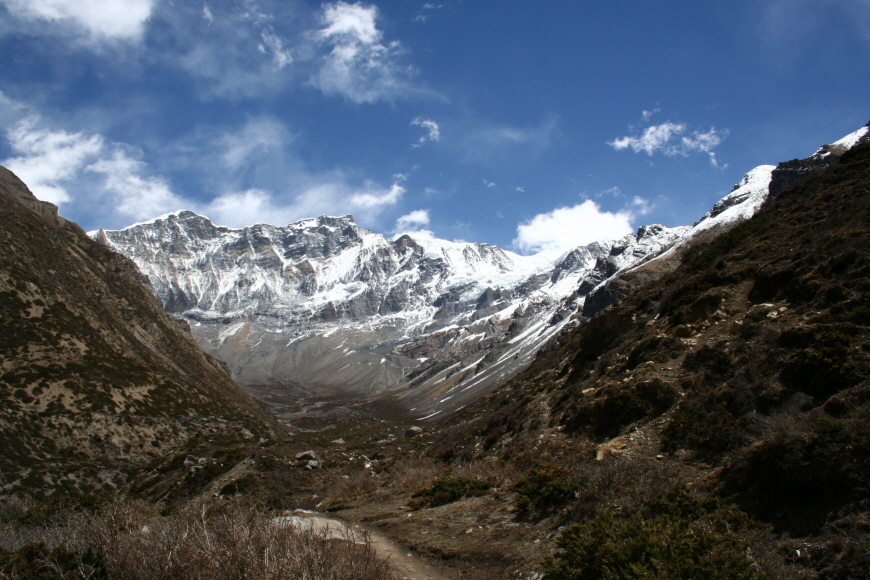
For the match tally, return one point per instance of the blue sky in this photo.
(530, 125)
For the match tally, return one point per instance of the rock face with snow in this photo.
(332, 309)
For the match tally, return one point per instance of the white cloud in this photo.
(358, 66)
(376, 198)
(670, 139)
(100, 19)
(80, 171)
(258, 137)
(354, 22)
(424, 12)
(206, 14)
(433, 132)
(646, 115)
(246, 208)
(272, 44)
(132, 193)
(568, 227)
(489, 184)
(492, 140)
(411, 222)
(49, 158)
(654, 139)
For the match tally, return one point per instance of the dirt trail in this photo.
(406, 564)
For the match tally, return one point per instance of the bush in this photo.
(709, 432)
(545, 489)
(36, 562)
(618, 406)
(820, 370)
(202, 541)
(452, 489)
(676, 537)
(715, 362)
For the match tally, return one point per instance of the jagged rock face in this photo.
(337, 308)
(93, 372)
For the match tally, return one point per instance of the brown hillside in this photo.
(95, 377)
(744, 373)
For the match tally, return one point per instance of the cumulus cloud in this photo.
(358, 66)
(99, 19)
(133, 193)
(672, 139)
(377, 198)
(433, 132)
(413, 224)
(568, 227)
(272, 44)
(257, 138)
(79, 171)
(423, 14)
(413, 221)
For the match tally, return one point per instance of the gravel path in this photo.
(406, 564)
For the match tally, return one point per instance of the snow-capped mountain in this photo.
(336, 308)
(330, 308)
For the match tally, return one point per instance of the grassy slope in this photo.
(94, 374)
(744, 373)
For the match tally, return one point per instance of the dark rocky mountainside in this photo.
(96, 378)
(744, 373)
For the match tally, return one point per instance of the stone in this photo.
(306, 455)
(413, 431)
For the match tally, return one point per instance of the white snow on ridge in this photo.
(849, 140)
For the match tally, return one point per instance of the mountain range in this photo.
(324, 308)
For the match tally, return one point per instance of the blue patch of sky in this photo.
(483, 114)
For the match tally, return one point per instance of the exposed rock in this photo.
(413, 431)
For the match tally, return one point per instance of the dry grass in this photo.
(503, 474)
(207, 542)
(356, 485)
(410, 475)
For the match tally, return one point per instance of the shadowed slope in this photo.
(95, 375)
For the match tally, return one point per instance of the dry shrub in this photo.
(621, 483)
(356, 485)
(500, 472)
(410, 475)
(214, 542)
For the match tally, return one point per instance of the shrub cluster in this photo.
(544, 490)
(675, 537)
(227, 541)
(451, 489)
